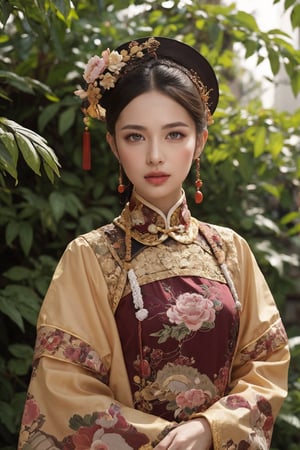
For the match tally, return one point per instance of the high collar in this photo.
(150, 226)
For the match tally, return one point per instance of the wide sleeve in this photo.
(79, 396)
(258, 383)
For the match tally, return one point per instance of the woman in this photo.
(158, 330)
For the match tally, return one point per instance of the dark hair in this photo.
(162, 75)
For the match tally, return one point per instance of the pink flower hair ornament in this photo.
(101, 74)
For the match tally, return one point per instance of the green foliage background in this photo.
(250, 168)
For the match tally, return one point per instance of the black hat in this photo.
(189, 58)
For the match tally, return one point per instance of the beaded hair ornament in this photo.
(102, 73)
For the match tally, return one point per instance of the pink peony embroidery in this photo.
(31, 412)
(236, 401)
(193, 310)
(192, 398)
(52, 341)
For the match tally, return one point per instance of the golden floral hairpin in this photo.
(101, 74)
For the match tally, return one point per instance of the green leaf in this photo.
(9, 143)
(163, 334)
(75, 422)
(6, 162)
(66, 120)
(259, 143)
(274, 60)
(26, 237)
(21, 83)
(276, 143)
(49, 157)
(247, 20)
(106, 213)
(17, 273)
(23, 359)
(272, 189)
(63, 6)
(18, 366)
(7, 416)
(180, 331)
(30, 134)
(47, 114)
(29, 153)
(73, 180)
(7, 307)
(295, 16)
(49, 172)
(58, 205)
(5, 11)
(289, 3)
(31, 146)
(73, 205)
(290, 217)
(23, 301)
(11, 232)
(251, 47)
(295, 82)
(21, 351)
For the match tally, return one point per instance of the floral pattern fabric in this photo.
(97, 431)
(261, 423)
(169, 378)
(61, 345)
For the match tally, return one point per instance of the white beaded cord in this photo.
(231, 286)
(142, 313)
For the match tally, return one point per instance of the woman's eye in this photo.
(134, 137)
(175, 135)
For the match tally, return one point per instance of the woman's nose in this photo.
(154, 154)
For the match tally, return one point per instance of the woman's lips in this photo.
(156, 178)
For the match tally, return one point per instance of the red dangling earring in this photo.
(121, 185)
(198, 183)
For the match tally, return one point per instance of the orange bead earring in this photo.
(121, 185)
(198, 183)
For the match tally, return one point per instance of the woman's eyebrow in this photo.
(133, 127)
(175, 124)
(167, 125)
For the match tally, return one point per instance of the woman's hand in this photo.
(192, 435)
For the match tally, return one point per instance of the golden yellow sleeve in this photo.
(245, 417)
(79, 391)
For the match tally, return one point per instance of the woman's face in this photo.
(156, 143)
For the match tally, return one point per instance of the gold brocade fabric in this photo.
(171, 246)
(150, 226)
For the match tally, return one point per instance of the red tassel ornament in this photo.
(86, 150)
(198, 184)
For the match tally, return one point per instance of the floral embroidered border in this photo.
(260, 418)
(274, 338)
(65, 347)
(98, 430)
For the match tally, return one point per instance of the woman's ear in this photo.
(200, 143)
(112, 143)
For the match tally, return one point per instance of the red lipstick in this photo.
(156, 178)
